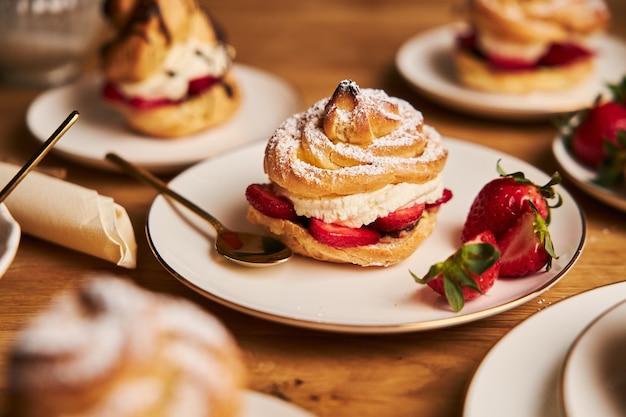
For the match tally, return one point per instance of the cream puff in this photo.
(355, 179)
(518, 47)
(111, 348)
(168, 69)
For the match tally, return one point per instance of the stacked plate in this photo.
(567, 360)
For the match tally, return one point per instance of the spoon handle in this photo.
(146, 177)
(39, 155)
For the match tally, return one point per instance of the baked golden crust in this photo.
(389, 251)
(523, 31)
(376, 141)
(112, 348)
(151, 36)
(347, 161)
(476, 73)
(145, 32)
(538, 20)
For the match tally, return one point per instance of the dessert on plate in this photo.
(355, 179)
(168, 69)
(518, 47)
(111, 348)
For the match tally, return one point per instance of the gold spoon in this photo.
(242, 248)
(39, 155)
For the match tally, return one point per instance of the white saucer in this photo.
(257, 404)
(10, 235)
(267, 102)
(583, 177)
(519, 377)
(594, 374)
(425, 61)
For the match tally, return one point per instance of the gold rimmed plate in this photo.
(584, 177)
(266, 101)
(425, 62)
(344, 298)
(520, 375)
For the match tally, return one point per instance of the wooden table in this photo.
(313, 45)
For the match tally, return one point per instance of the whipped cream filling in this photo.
(495, 46)
(361, 209)
(184, 62)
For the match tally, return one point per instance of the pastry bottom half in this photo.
(387, 252)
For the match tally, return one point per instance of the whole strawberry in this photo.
(468, 273)
(501, 201)
(599, 138)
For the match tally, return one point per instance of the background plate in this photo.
(519, 376)
(267, 101)
(425, 61)
(344, 298)
(583, 177)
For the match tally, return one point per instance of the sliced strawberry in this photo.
(263, 198)
(199, 85)
(110, 92)
(401, 219)
(339, 236)
(526, 247)
(503, 199)
(445, 197)
(140, 103)
(468, 273)
(563, 54)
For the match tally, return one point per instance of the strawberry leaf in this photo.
(460, 270)
(618, 90)
(611, 169)
(454, 293)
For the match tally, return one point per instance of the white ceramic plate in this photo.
(519, 377)
(257, 404)
(594, 374)
(344, 298)
(583, 177)
(425, 61)
(267, 101)
(10, 234)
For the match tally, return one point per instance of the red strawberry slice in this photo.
(110, 92)
(563, 54)
(503, 199)
(339, 236)
(401, 219)
(199, 85)
(445, 197)
(468, 273)
(526, 247)
(140, 103)
(263, 198)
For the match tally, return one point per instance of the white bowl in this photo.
(10, 233)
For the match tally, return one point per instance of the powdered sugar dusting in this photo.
(301, 151)
(85, 336)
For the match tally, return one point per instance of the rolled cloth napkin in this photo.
(72, 216)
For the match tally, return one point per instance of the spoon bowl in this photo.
(246, 249)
